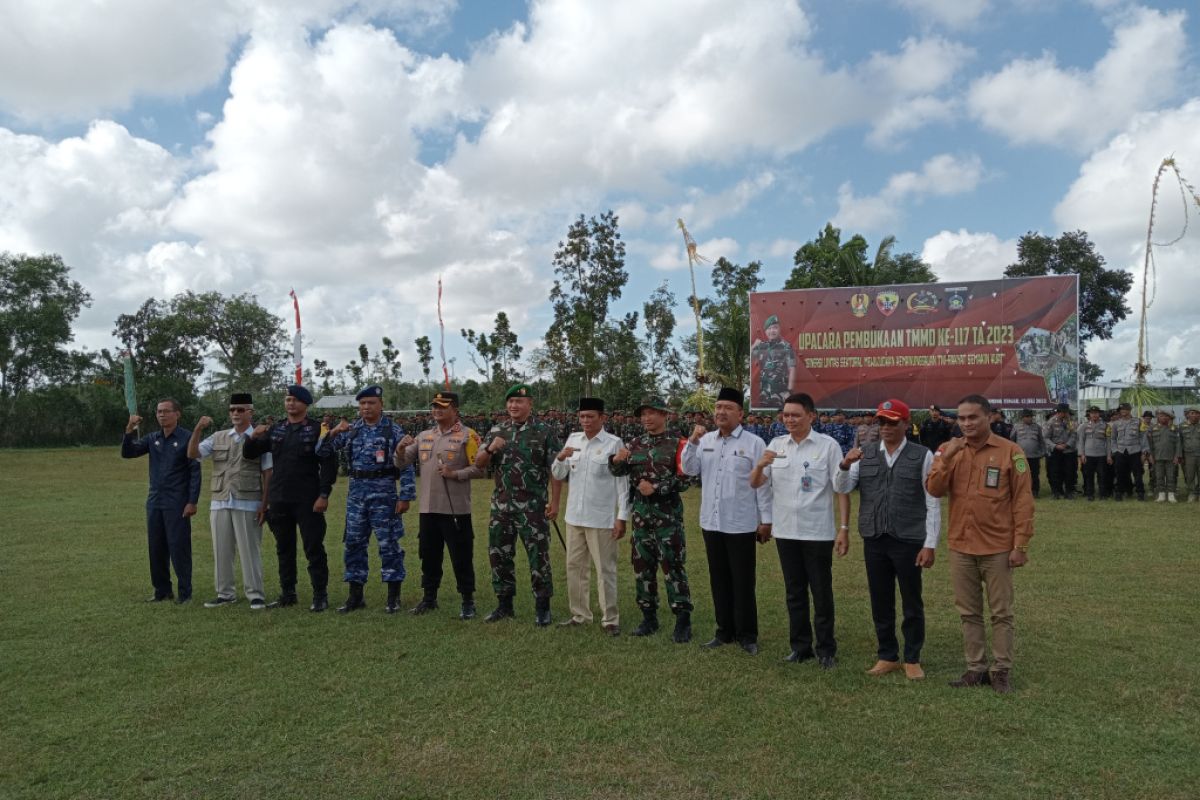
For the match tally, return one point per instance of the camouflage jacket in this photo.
(522, 468)
(777, 358)
(653, 458)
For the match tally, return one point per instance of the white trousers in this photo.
(585, 547)
(236, 531)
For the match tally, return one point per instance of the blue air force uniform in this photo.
(371, 500)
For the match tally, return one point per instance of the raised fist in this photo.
(261, 431)
(341, 427)
(203, 423)
(697, 432)
(566, 453)
(497, 445)
(134, 421)
(622, 455)
(768, 458)
(406, 442)
(645, 487)
(853, 455)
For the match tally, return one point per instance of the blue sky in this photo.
(358, 150)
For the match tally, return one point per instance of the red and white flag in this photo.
(296, 356)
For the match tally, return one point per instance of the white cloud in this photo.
(908, 117)
(950, 13)
(966, 256)
(941, 175)
(674, 257)
(1037, 101)
(921, 66)
(1111, 201)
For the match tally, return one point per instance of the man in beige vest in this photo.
(239, 491)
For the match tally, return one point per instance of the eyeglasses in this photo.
(238, 409)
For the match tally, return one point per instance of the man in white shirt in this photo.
(239, 503)
(899, 522)
(732, 517)
(799, 468)
(597, 510)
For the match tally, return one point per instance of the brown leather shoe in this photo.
(884, 667)
(914, 672)
(612, 630)
(1000, 682)
(970, 680)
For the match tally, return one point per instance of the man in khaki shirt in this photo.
(991, 523)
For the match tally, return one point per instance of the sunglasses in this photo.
(238, 409)
(887, 421)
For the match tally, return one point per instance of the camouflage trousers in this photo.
(366, 513)
(773, 389)
(504, 527)
(658, 539)
(1164, 475)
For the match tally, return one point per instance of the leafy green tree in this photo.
(619, 354)
(1102, 290)
(38, 303)
(828, 262)
(664, 364)
(726, 321)
(168, 352)
(424, 354)
(590, 274)
(496, 356)
(247, 341)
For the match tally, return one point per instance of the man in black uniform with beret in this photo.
(298, 495)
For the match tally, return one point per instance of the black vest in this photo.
(892, 501)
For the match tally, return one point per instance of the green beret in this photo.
(520, 390)
(654, 402)
(771, 320)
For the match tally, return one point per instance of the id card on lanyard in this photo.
(806, 481)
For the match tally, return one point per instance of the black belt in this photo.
(366, 474)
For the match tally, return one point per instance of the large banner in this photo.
(1014, 340)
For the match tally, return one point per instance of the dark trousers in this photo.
(1095, 469)
(284, 518)
(808, 567)
(889, 562)
(454, 532)
(1035, 475)
(1061, 472)
(169, 537)
(731, 575)
(1128, 467)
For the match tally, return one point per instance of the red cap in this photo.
(893, 409)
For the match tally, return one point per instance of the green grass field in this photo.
(107, 697)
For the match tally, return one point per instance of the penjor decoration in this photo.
(700, 399)
(297, 359)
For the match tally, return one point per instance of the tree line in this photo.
(197, 347)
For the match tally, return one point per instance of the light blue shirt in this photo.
(727, 503)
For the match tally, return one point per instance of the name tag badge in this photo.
(806, 483)
(380, 456)
(992, 480)
(707, 449)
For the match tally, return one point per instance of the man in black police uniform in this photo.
(298, 495)
(936, 430)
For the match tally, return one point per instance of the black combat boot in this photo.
(503, 610)
(542, 606)
(393, 598)
(429, 602)
(320, 603)
(683, 627)
(649, 623)
(355, 600)
(468, 607)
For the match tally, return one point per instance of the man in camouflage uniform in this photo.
(1028, 435)
(1165, 453)
(777, 364)
(1128, 444)
(868, 432)
(522, 450)
(651, 463)
(372, 503)
(1189, 439)
(1059, 433)
(1095, 453)
(839, 430)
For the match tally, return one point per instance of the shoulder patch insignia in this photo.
(1019, 462)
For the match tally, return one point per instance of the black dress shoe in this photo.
(320, 603)
(157, 599)
(284, 600)
(827, 662)
(714, 643)
(750, 647)
(468, 611)
(795, 657)
(424, 607)
(183, 601)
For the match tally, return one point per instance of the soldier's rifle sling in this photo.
(561, 540)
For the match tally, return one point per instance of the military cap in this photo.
(841, 411)
(935, 408)
(518, 390)
(1090, 409)
(1063, 407)
(301, 394)
(1168, 412)
(591, 404)
(893, 409)
(653, 402)
(771, 320)
(241, 399)
(1026, 412)
(1191, 410)
(445, 400)
(1125, 407)
(374, 390)
(731, 395)
(1147, 413)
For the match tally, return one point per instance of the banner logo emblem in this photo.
(859, 304)
(887, 302)
(922, 302)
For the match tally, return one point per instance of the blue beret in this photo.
(374, 390)
(301, 394)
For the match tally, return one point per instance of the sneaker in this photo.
(1162, 497)
(217, 602)
(1171, 497)
(258, 604)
